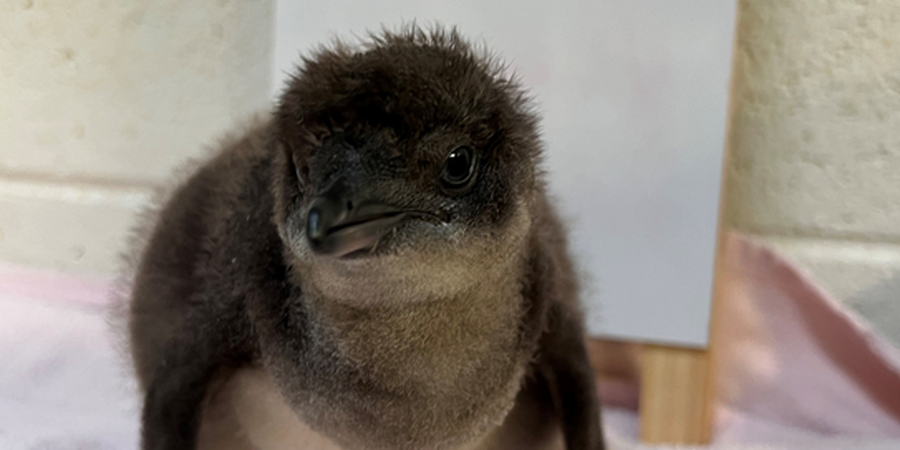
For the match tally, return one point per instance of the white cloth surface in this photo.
(64, 385)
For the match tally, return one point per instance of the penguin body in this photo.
(374, 265)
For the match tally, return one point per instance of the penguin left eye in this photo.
(459, 167)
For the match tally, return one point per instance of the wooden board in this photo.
(675, 400)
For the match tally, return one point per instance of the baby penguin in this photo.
(375, 265)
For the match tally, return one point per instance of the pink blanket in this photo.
(797, 370)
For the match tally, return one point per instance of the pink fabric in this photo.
(53, 286)
(795, 371)
(791, 354)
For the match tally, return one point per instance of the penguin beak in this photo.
(338, 224)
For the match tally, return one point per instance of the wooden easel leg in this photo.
(676, 395)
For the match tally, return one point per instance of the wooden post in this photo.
(676, 395)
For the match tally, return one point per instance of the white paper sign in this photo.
(633, 96)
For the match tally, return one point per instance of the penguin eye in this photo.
(459, 167)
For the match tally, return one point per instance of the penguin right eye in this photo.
(459, 168)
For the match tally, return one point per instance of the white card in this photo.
(633, 97)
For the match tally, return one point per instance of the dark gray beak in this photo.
(340, 223)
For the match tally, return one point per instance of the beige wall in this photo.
(814, 163)
(99, 99)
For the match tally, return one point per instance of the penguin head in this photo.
(412, 141)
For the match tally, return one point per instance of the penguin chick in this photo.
(378, 256)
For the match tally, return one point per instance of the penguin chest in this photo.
(247, 412)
